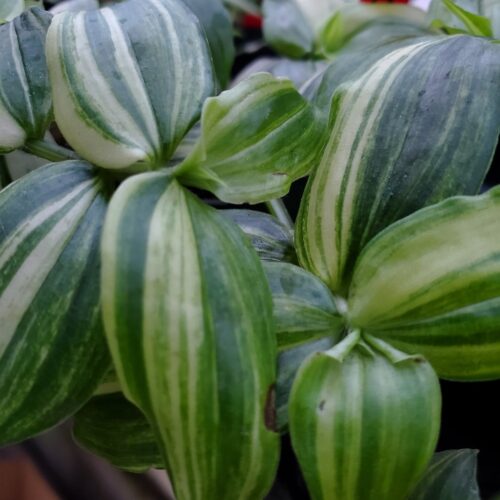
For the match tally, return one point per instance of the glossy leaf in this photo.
(364, 420)
(128, 80)
(405, 135)
(192, 343)
(271, 239)
(257, 138)
(450, 475)
(218, 28)
(431, 284)
(116, 430)
(52, 348)
(25, 101)
(304, 309)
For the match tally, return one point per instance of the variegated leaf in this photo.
(53, 352)
(304, 309)
(218, 28)
(364, 420)
(192, 343)
(420, 125)
(272, 240)
(25, 101)
(431, 284)
(128, 80)
(116, 430)
(257, 138)
(451, 475)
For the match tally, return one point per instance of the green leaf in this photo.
(128, 80)
(218, 28)
(351, 19)
(192, 342)
(271, 239)
(52, 348)
(431, 284)
(304, 308)
(421, 124)
(25, 101)
(476, 25)
(116, 430)
(290, 359)
(257, 138)
(450, 475)
(9, 9)
(364, 420)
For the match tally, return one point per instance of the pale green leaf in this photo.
(128, 80)
(192, 343)
(9, 9)
(431, 284)
(257, 138)
(25, 101)
(420, 125)
(364, 420)
(451, 475)
(116, 430)
(53, 352)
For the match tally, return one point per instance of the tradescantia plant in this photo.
(183, 337)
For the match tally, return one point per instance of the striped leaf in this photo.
(9, 9)
(25, 101)
(257, 138)
(116, 430)
(192, 342)
(451, 475)
(128, 80)
(52, 348)
(364, 420)
(431, 284)
(419, 126)
(272, 240)
(218, 28)
(304, 308)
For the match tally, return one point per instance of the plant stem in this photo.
(5, 177)
(278, 209)
(49, 151)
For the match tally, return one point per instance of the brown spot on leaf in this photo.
(270, 409)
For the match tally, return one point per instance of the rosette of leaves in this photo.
(144, 269)
(406, 266)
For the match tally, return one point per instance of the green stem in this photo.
(5, 177)
(278, 209)
(49, 151)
